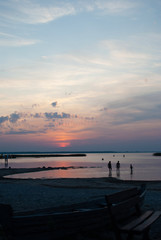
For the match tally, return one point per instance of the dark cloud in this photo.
(56, 115)
(24, 132)
(49, 115)
(14, 117)
(137, 102)
(143, 115)
(3, 119)
(54, 104)
(139, 108)
(37, 115)
(65, 115)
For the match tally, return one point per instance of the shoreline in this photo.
(11, 171)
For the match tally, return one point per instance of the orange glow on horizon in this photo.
(65, 137)
(63, 144)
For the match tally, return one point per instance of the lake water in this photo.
(145, 166)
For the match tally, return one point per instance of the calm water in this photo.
(146, 166)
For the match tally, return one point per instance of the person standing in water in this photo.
(131, 169)
(110, 168)
(118, 169)
(118, 166)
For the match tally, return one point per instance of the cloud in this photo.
(34, 13)
(54, 104)
(65, 115)
(25, 123)
(50, 125)
(31, 12)
(28, 117)
(125, 53)
(35, 105)
(37, 115)
(14, 117)
(89, 118)
(3, 119)
(56, 115)
(145, 101)
(104, 109)
(14, 41)
(24, 132)
(138, 108)
(106, 6)
(115, 6)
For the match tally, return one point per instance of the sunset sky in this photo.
(80, 75)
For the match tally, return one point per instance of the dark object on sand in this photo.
(126, 214)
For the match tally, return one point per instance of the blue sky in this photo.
(80, 75)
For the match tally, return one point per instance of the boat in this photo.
(59, 223)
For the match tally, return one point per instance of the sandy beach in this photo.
(28, 195)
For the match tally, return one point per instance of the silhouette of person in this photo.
(6, 160)
(118, 169)
(131, 169)
(110, 168)
(118, 165)
(109, 165)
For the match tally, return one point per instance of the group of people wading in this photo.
(117, 168)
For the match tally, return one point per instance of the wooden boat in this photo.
(68, 221)
(62, 223)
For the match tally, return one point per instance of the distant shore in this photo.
(43, 155)
(157, 154)
(51, 155)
